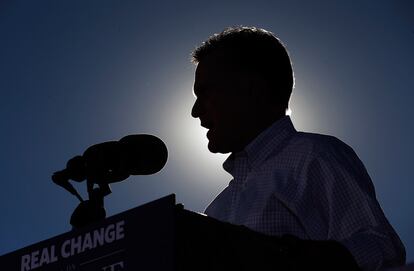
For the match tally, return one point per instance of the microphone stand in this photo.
(105, 163)
(91, 210)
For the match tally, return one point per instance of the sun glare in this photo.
(189, 138)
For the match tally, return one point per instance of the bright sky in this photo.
(76, 73)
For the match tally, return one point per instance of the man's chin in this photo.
(214, 148)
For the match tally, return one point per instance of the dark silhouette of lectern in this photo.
(160, 235)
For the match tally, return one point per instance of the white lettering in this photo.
(87, 242)
(34, 259)
(98, 237)
(25, 263)
(75, 244)
(44, 258)
(120, 230)
(47, 257)
(114, 267)
(63, 251)
(109, 234)
(119, 266)
(53, 256)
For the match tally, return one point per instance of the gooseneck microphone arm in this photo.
(60, 178)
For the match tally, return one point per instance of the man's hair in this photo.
(256, 51)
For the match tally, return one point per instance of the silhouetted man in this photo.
(285, 182)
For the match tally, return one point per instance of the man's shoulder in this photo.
(318, 143)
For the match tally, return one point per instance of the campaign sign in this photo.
(139, 239)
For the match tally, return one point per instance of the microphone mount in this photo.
(105, 163)
(90, 210)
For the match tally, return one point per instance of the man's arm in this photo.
(342, 189)
(317, 255)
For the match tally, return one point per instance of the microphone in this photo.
(144, 154)
(114, 161)
(106, 163)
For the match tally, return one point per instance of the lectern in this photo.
(160, 236)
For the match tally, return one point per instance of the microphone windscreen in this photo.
(143, 154)
(76, 168)
(104, 163)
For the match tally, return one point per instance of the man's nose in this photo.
(195, 111)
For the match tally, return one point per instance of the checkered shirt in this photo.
(309, 185)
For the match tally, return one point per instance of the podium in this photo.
(160, 235)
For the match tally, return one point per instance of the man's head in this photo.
(243, 83)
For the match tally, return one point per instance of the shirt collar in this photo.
(260, 148)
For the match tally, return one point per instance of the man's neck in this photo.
(257, 129)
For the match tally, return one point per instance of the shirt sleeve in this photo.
(341, 187)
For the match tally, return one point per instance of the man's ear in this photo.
(262, 98)
(259, 92)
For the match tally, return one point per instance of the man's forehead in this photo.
(211, 66)
(210, 74)
(215, 66)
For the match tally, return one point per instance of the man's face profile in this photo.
(224, 104)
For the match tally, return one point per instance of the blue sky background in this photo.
(75, 73)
